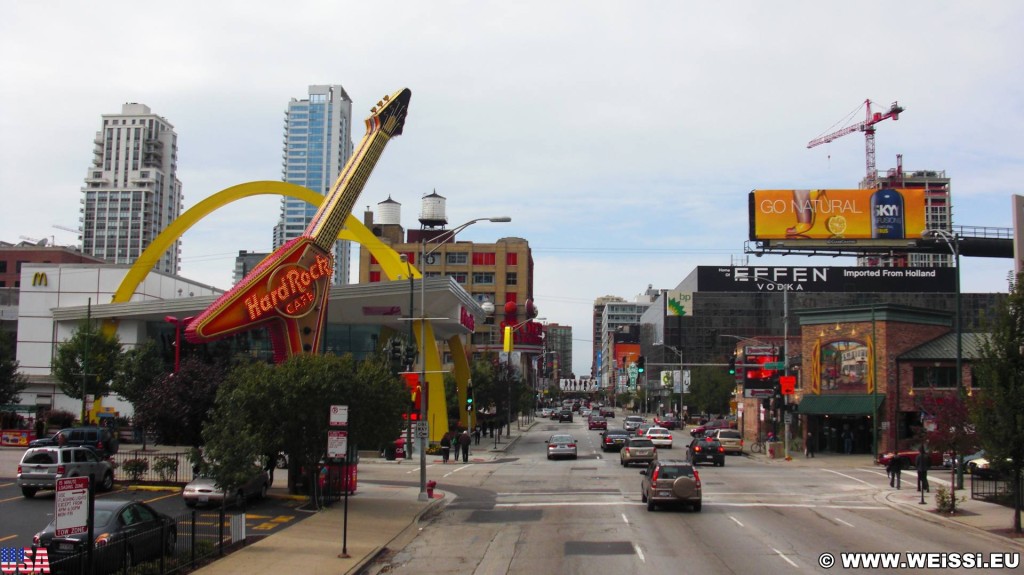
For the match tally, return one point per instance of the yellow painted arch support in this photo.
(354, 230)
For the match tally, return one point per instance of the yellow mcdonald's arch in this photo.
(354, 230)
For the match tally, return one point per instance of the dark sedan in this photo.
(613, 439)
(127, 533)
(705, 449)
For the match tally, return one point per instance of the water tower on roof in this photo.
(432, 212)
(390, 212)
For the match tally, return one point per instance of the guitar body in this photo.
(287, 292)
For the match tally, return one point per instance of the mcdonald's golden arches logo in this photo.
(39, 279)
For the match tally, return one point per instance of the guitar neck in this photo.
(330, 218)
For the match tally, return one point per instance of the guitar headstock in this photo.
(389, 113)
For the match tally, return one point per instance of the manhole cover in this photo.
(599, 548)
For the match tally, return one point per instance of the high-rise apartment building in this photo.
(317, 143)
(131, 191)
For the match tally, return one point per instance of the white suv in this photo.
(41, 467)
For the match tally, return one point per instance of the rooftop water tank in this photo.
(390, 212)
(432, 213)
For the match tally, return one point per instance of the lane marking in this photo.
(455, 470)
(639, 552)
(784, 557)
(714, 504)
(849, 477)
(625, 519)
(736, 520)
(531, 493)
(844, 522)
(804, 505)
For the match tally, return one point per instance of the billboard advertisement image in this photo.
(837, 216)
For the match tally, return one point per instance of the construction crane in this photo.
(868, 127)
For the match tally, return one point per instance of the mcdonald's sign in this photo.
(39, 279)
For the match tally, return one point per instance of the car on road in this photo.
(631, 422)
(730, 439)
(668, 421)
(606, 412)
(908, 458)
(670, 482)
(659, 436)
(637, 450)
(100, 439)
(613, 439)
(126, 533)
(41, 467)
(565, 415)
(705, 449)
(597, 422)
(701, 430)
(545, 412)
(560, 445)
(203, 490)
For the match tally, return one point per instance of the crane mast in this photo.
(868, 127)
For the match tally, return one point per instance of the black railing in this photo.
(198, 539)
(994, 489)
(155, 466)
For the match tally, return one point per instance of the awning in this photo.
(840, 404)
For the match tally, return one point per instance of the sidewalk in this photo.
(993, 520)
(379, 517)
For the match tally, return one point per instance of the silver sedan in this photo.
(560, 445)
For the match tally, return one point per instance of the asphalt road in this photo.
(526, 515)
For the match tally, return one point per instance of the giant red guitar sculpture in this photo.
(287, 291)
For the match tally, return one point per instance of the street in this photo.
(523, 514)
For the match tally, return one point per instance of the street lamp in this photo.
(179, 324)
(953, 241)
(440, 240)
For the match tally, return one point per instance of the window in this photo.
(483, 259)
(458, 276)
(511, 278)
(3, 266)
(456, 258)
(511, 259)
(934, 376)
(483, 278)
(374, 277)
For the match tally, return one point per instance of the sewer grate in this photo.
(599, 548)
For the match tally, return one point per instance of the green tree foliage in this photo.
(262, 409)
(11, 381)
(998, 407)
(99, 367)
(177, 404)
(139, 369)
(711, 389)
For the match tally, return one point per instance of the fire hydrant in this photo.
(430, 488)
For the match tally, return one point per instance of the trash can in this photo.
(389, 453)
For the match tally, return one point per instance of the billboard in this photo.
(832, 279)
(678, 303)
(894, 217)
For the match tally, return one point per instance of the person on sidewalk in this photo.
(476, 435)
(809, 446)
(922, 471)
(895, 470)
(446, 446)
(464, 441)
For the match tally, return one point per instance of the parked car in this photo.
(613, 439)
(670, 482)
(701, 430)
(100, 439)
(126, 534)
(597, 422)
(637, 450)
(561, 446)
(204, 490)
(660, 436)
(730, 439)
(631, 422)
(565, 415)
(908, 458)
(41, 467)
(704, 449)
(668, 421)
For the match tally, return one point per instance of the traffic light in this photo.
(640, 361)
(469, 398)
(396, 355)
(732, 364)
(410, 355)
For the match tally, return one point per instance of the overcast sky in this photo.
(621, 137)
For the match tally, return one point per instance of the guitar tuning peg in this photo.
(380, 103)
(373, 110)
(387, 98)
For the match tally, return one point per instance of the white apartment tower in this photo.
(131, 191)
(317, 143)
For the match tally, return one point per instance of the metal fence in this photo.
(199, 538)
(167, 467)
(993, 489)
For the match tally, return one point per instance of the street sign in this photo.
(421, 430)
(774, 365)
(71, 506)
(337, 443)
(339, 416)
(685, 387)
(632, 371)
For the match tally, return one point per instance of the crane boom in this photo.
(868, 127)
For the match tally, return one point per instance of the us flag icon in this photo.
(12, 558)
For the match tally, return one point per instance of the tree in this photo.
(950, 430)
(999, 406)
(86, 363)
(139, 368)
(11, 381)
(710, 390)
(177, 404)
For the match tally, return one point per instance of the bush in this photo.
(135, 468)
(944, 499)
(60, 418)
(166, 467)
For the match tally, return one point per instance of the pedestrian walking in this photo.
(895, 470)
(476, 435)
(809, 446)
(464, 441)
(446, 446)
(848, 442)
(922, 471)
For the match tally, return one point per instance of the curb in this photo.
(922, 512)
(410, 530)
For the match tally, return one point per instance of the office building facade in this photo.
(317, 143)
(131, 190)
